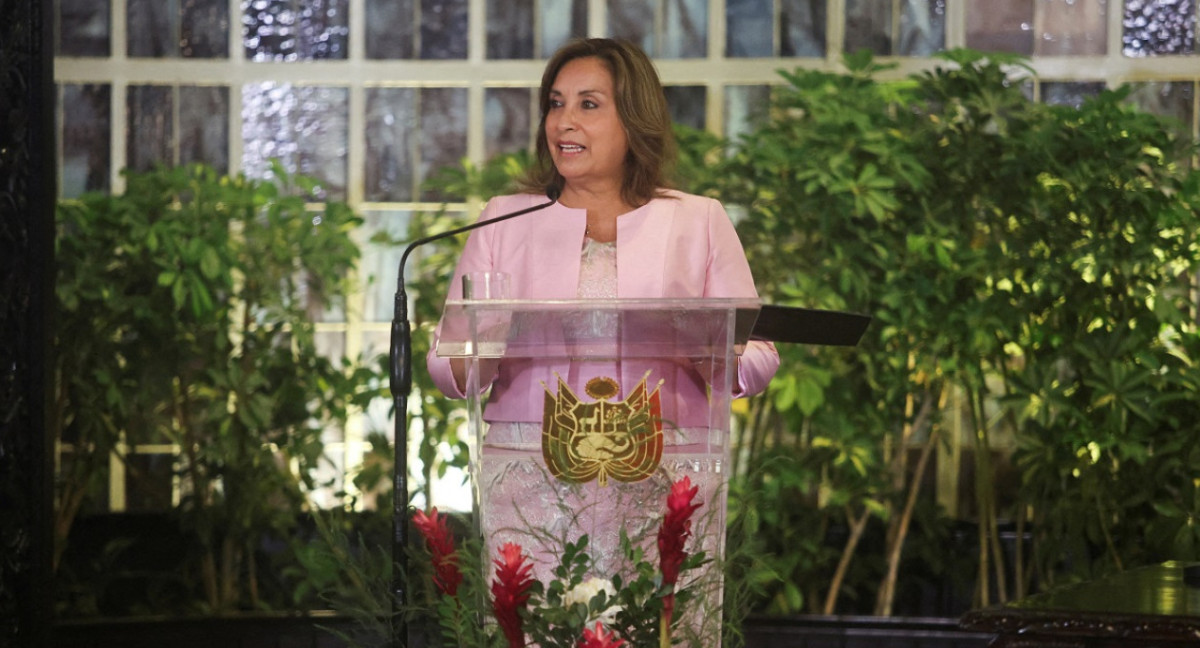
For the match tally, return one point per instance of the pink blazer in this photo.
(673, 247)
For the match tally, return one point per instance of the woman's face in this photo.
(586, 138)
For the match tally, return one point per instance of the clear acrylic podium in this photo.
(596, 408)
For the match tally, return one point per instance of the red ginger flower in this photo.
(510, 592)
(600, 638)
(675, 529)
(672, 535)
(441, 546)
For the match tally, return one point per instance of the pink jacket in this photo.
(673, 247)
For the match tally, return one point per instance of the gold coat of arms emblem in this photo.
(622, 440)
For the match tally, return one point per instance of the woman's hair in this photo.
(641, 107)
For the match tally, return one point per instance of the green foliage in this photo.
(186, 310)
(1031, 262)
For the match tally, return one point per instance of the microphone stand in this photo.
(400, 383)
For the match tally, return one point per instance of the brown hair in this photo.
(641, 106)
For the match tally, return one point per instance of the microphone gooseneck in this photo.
(400, 383)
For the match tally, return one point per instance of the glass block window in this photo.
(189, 29)
(83, 28)
(86, 133)
(151, 133)
(896, 28)
(509, 120)
(1159, 27)
(416, 29)
(670, 29)
(412, 132)
(745, 107)
(1169, 99)
(1000, 26)
(295, 30)
(687, 104)
(379, 263)
(1070, 93)
(1072, 28)
(304, 127)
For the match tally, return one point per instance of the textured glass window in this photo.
(304, 127)
(912, 28)
(687, 104)
(1171, 99)
(83, 28)
(1000, 26)
(633, 20)
(922, 28)
(150, 138)
(747, 22)
(507, 120)
(443, 29)
(443, 132)
(204, 126)
(869, 26)
(1070, 93)
(685, 29)
(86, 128)
(295, 30)
(391, 123)
(1158, 27)
(510, 29)
(746, 106)
(149, 480)
(391, 33)
(158, 29)
(1071, 28)
(802, 28)
(561, 20)
(380, 262)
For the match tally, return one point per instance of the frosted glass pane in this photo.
(802, 28)
(745, 107)
(1070, 93)
(204, 29)
(922, 27)
(1159, 27)
(204, 126)
(748, 25)
(295, 30)
(381, 261)
(443, 29)
(561, 21)
(149, 139)
(151, 26)
(84, 28)
(632, 20)
(86, 125)
(1072, 28)
(1000, 26)
(869, 26)
(1171, 99)
(443, 134)
(304, 127)
(507, 120)
(509, 29)
(391, 122)
(687, 104)
(685, 29)
(390, 29)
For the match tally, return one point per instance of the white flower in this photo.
(588, 589)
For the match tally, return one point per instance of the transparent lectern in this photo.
(596, 407)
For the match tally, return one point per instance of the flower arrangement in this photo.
(573, 610)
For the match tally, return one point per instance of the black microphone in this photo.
(400, 381)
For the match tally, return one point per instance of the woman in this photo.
(617, 232)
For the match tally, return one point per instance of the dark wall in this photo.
(27, 193)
